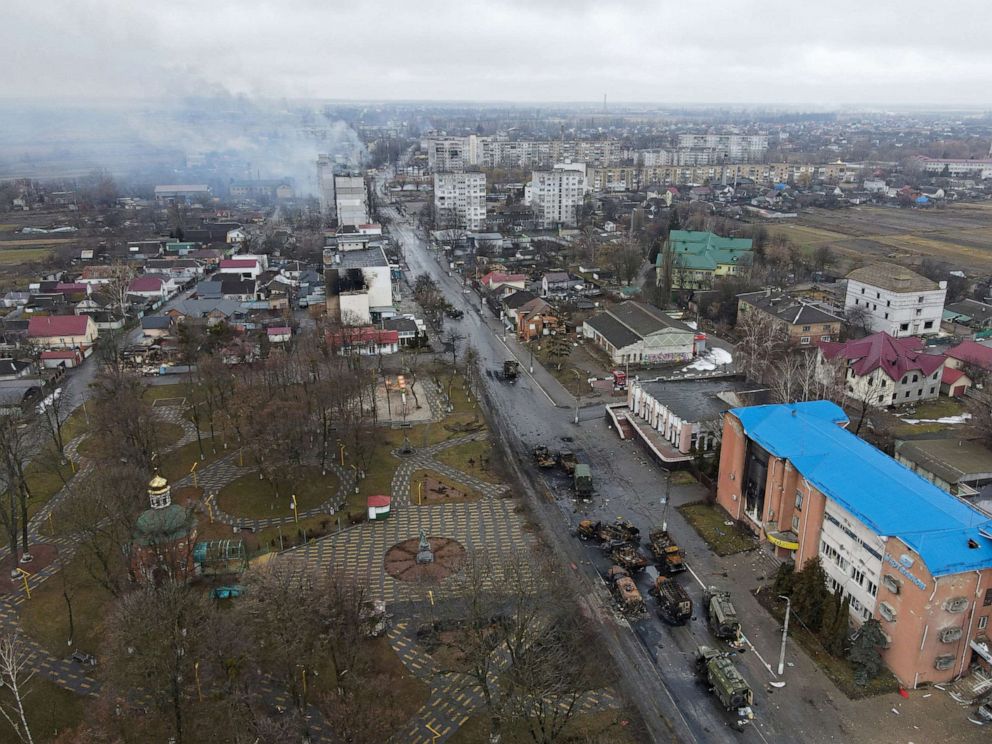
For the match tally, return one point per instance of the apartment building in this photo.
(460, 200)
(557, 194)
(448, 154)
(351, 200)
(325, 185)
(914, 557)
(896, 300)
(731, 146)
(955, 167)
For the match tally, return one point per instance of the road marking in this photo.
(743, 637)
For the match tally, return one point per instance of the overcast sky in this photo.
(734, 51)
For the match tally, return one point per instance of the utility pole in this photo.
(578, 393)
(785, 634)
(668, 499)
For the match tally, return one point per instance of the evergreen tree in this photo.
(864, 652)
(836, 642)
(674, 223)
(830, 609)
(785, 579)
(810, 594)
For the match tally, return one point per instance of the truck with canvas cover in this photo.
(625, 591)
(674, 602)
(722, 616)
(668, 556)
(726, 683)
(582, 481)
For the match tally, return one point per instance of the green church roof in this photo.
(156, 526)
(705, 251)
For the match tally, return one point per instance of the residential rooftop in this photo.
(893, 277)
(885, 495)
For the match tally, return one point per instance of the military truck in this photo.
(509, 371)
(629, 557)
(582, 481)
(568, 461)
(543, 457)
(722, 616)
(668, 556)
(616, 532)
(624, 591)
(674, 602)
(718, 671)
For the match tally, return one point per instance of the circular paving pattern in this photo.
(401, 560)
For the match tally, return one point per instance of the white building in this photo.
(896, 300)
(460, 200)
(325, 185)
(732, 146)
(557, 194)
(359, 287)
(351, 200)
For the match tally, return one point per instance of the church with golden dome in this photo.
(163, 537)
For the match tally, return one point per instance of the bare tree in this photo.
(761, 341)
(798, 377)
(15, 674)
(98, 512)
(18, 434)
(156, 636)
(295, 615)
(118, 287)
(979, 405)
(858, 321)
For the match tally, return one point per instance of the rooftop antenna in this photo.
(604, 111)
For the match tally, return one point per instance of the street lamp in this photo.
(785, 634)
(667, 499)
(578, 393)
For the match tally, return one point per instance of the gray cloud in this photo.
(526, 50)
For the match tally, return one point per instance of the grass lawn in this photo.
(45, 479)
(176, 463)
(934, 409)
(407, 691)
(10, 255)
(248, 496)
(50, 711)
(46, 619)
(683, 478)
(474, 458)
(172, 390)
(709, 521)
(95, 447)
(840, 671)
(465, 493)
(604, 727)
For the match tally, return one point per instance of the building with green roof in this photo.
(698, 258)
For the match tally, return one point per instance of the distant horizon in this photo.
(593, 106)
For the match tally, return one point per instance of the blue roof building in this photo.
(907, 553)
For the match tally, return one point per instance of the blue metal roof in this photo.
(885, 495)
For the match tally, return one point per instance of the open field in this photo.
(13, 256)
(960, 234)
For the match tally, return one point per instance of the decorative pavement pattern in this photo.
(489, 524)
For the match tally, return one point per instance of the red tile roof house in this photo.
(954, 382)
(364, 340)
(63, 332)
(67, 358)
(497, 281)
(969, 354)
(882, 370)
(151, 287)
(279, 334)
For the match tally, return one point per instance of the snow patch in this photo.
(960, 419)
(712, 359)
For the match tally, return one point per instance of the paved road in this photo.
(658, 672)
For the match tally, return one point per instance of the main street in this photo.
(655, 661)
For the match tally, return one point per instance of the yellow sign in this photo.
(782, 542)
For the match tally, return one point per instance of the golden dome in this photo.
(157, 483)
